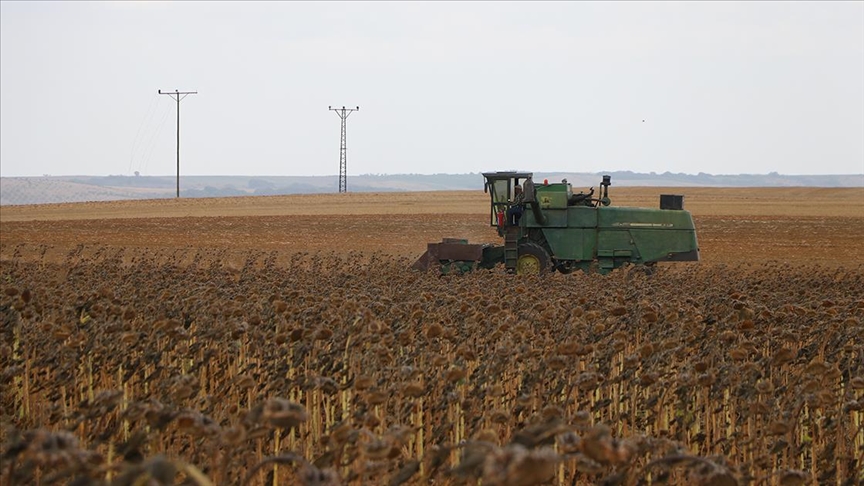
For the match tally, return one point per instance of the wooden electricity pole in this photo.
(177, 96)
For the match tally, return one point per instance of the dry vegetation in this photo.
(157, 345)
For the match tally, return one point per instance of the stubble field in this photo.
(282, 340)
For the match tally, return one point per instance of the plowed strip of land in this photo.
(733, 225)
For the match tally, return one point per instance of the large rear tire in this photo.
(533, 260)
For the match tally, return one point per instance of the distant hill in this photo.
(62, 189)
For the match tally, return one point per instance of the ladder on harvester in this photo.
(511, 247)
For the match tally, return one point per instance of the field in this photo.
(281, 340)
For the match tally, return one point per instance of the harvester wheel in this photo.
(533, 260)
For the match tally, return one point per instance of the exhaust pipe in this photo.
(531, 199)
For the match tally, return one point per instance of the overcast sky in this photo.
(716, 87)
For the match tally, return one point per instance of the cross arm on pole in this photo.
(343, 112)
(176, 93)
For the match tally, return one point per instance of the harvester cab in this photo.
(501, 186)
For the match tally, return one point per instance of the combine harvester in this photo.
(560, 230)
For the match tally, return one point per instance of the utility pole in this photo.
(177, 96)
(343, 113)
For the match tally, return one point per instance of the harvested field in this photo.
(280, 340)
(734, 226)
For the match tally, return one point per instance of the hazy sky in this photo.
(723, 87)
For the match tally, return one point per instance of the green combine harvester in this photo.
(550, 228)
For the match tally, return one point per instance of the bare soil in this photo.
(734, 225)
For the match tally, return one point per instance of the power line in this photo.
(343, 113)
(178, 96)
(151, 143)
(146, 120)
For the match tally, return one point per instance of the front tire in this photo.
(533, 260)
